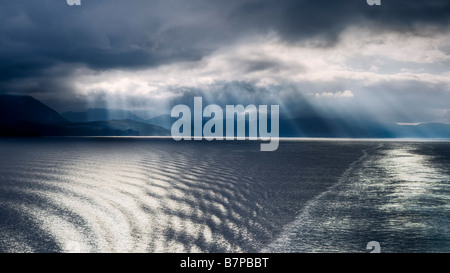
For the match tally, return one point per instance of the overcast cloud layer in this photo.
(340, 58)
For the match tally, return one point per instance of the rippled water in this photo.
(397, 194)
(157, 195)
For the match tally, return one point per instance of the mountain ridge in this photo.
(101, 114)
(27, 116)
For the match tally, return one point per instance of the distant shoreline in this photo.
(387, 139)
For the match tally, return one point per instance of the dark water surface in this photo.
(158, 195)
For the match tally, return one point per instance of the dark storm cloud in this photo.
(42, 43)
(296, 19)
(36, 35)
(133, 34)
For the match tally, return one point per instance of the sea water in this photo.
(159, 195)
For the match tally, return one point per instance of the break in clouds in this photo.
(338, 58)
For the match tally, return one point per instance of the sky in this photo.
(330, 58)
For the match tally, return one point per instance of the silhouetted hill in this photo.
(323, 127)
(26, 116)
(423, 130)
(329, 127)
(16, 109)
(164, 121)
(340, 128)
(101, 114)
(115, 128)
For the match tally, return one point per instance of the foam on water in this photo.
(138, 195)
(396, 194)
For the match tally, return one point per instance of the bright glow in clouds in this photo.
(361, 58)
(343, 94)
(181, 128)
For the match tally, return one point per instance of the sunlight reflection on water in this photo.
(157, 196)
(397, 194)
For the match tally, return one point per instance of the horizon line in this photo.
(423, 139)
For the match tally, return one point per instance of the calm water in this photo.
(156, 195)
